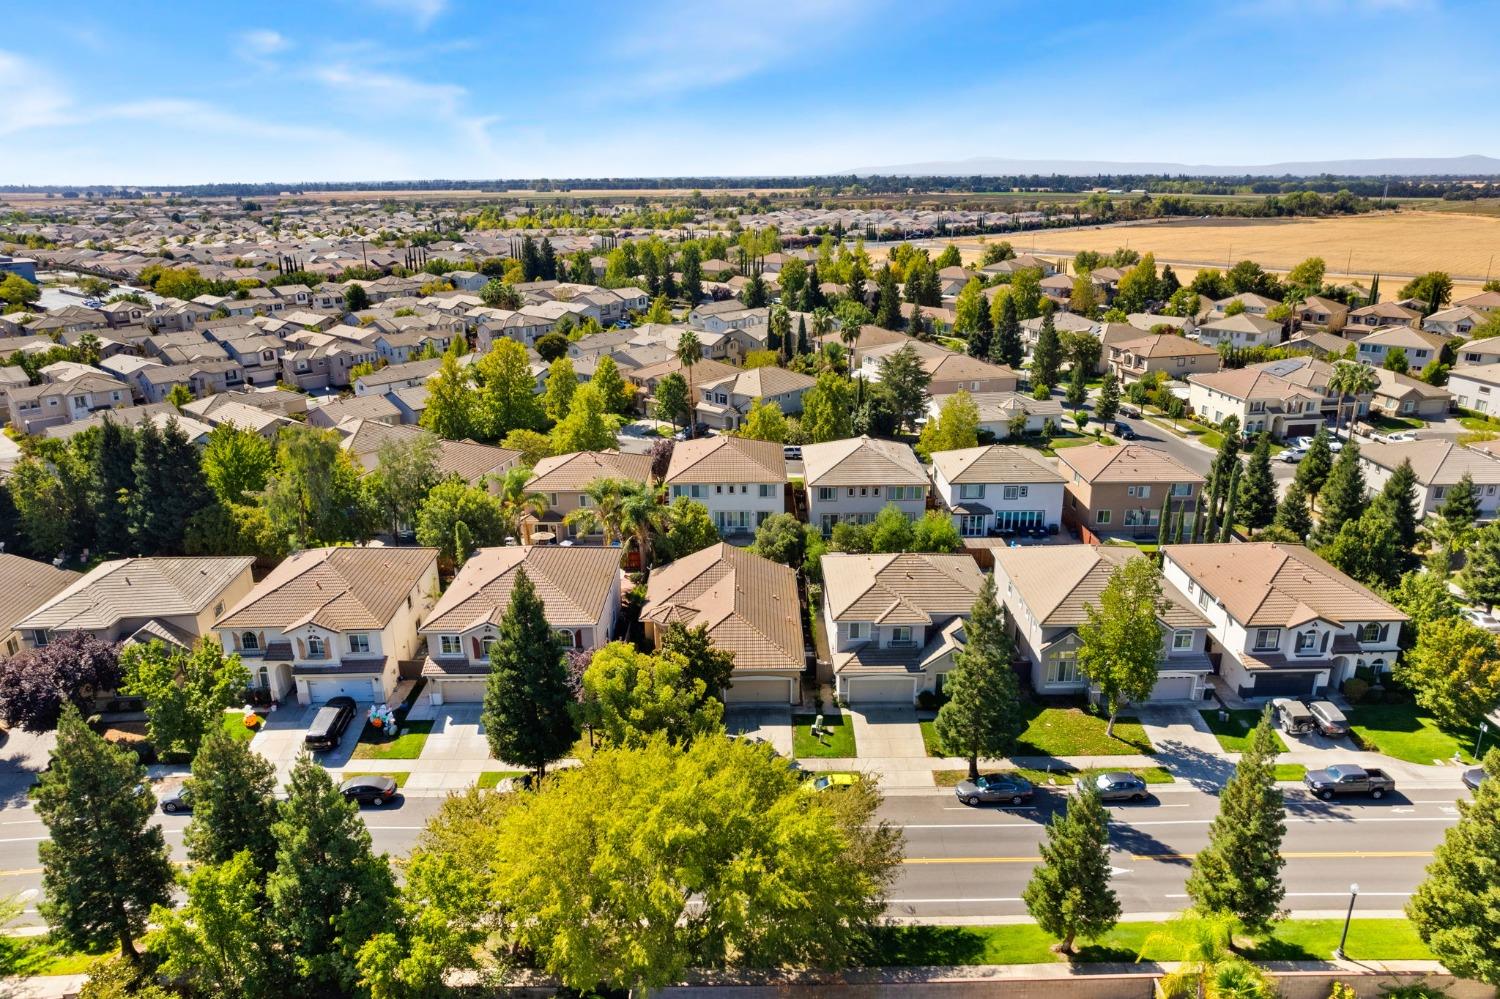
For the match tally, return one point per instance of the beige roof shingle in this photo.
(137, 587)
(340, 589)
(1268, 583)
(1124, 463)
(861, 461)
(1058, 581)
(900, 589)
(726, 459)
(1436, 462)
(25, 585)
(563, 473)
(994, 463)
(573, 584)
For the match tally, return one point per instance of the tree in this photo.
(1307, 277)
(1084, 299)
(1257, 493)
(313, 493)
(692, 274)
(233, 792)
(532, 445)
(764, 422)
(329, 892)
(36, 684)
(966, 312)
(1046, 357)
(689, 529)
(405, 471)
(703, 662)
(1069, 894)
(612, 388)
(1292, 514)
(451, 410)
(1400, 495)
(1342, 497)
(1395, 360)
(526, 703)
(1109, 399)
(828, 409)
(1007, 346)
(185, 692)
(506, 398)
(562, 382)
(1078, 385)
(983, 715)
(1454, 907)
(587, 427)
(236, 463)
(781, 539)
(1313, 470)
(456, 518)
(1120, 643)
(219, 943)
(105, 863)
(672, 402)
(956, 426)
(631, 696)
(1026, 291)
(111, 481)
(1434, 288)
(904, 376)
(356, 299)
(1454, 671)
(169, 488)
(1137, 286)
(1351, 379)
(935, 532)
(516, 498)
(16, 290)
(1461, 506)
(689, 353)
(887, 299)
(890, 531)
(1239, 872)
(1480, 576)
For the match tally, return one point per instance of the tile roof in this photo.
(1058, 581)
(994, 463)
(340, 589)
(137, 587)
(465, 459)
(25, 585)
(574, 472)
(1252, 383)
(762, 382)
(861, 461)
(573, 584)
(1268, 583)
(727, 459)
(900, 589)
(1436, 462)
(1124, 463)
(747, 603)
(1165, 345)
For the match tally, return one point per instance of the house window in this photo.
(900, 636)
(1374, 632)
(1015, 492)
(1182, 489)
(826, 493)
(1062, 666)
(1140, 492)
(1307, 642)
(1182, 640)
(449, 645)
(219, 609)
(976, 492)
(1267, 639)
(315, 647)
(249, 641)
(359, 643)
(857, 631)
(569, 638)
(765, 490)
(39, 638)
(1102, 517)
(485, 644)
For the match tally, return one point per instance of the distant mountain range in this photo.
(994, 166)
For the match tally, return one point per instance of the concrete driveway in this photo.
(280, 738)
(772, 724)
(887, 731)
(457, 734)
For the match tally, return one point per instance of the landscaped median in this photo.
(1066, 732)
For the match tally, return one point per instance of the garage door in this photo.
(463, 691)
(1283, 684)
(759, 690)
(881, 689)
(1173, 688)
(319, 691)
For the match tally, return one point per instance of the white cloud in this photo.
(34, 98)
(423, 12)
(262, 42)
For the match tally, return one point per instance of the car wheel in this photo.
(1016, 799)
(972, 800)
(1377, 793)
(377, 801)
(1138, 796)
(1325, 795)
(170, 807)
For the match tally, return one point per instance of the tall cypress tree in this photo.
(112, 480)
(233, 792)
(1109, 399)
(1292, 513)
(888, 299)
(1046, 358)
(1006, 348)
(803, 347)
(1069, 894)
(148, 509)
(1256, 508)
(982, 336)
(983, 714)
(181, 487)
(1239, 873)
(1315, 466)
(1400, 492)
(526, 705)
(1342, 497)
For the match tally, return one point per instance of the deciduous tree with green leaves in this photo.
(405, 471)
(452, 411)
(611, 385)
(562, 382)
(236, 463)
(507, 391)
(1069, 894)
(1454, 671)
(764, 422)
(630, 696)
(1120, 642)
(219, 942)
(955, 426)
(588, 425)
(185, 692)
(983, 715)
(526, 704)
(456, 517)
(828, 409)
(906, 379)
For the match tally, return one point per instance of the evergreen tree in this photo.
(1078, 388)
(983, 715)
(1342, 497)
(982, 339)
(1006, 348)
(1046, 358)
(692, 274)
(233, 792)
(803, 346)
(329, 892)
(1257, 493)
(1069, 894)
(888, 300)
(813, 297)
(1455, 909)
(548, 263)
(903, 375)
(526, 705)
(105, 863)
(1315, 466)
(112, 481)
(1461, 506)
(856, 286)
(1108, 405)
(1239, 872)
(1480, 576)
(1292, 514)
(1231, 501)
(1400, 493)
(1366, 548)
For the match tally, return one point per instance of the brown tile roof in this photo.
(25, 585)
(1058, 581)
(905, 588)
(726, 459)
(1267, 583)
(1436, 462)
(137, 587)
(1252, 383)
(952, 366)
(747, 603)
(573, 584)
(994, 463)
(861, 461)
(465, 459)
(335, 588)
(762, 382)
(1165, 345)
(563, 473)
(1123, 463)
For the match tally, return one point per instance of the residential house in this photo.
(396, 376)
(1319, 343)
(894, 621)
(1243, 330)
(1485, 351)
(854, 479)
(947, 370)
(332, 622)
(725, 402)
(1476, 386)
(749, 607)
(1380, 314)
(579, 588)
(1419, 346)
(998, 487)
(1403, 395)
(1322, 313)
(202, 378)
(1171, 355)
(1259, 400)
(324, 364)
(1459, 320)
(375, 408)
(473, 463)
(25, 585)
(1485, 301)
(1438, 465)
(1254, 305)
(999, 410)
(1121, 489)
(1283, 622)
(564, 480)
(741, 481)
(1046, 591)
(33, 408)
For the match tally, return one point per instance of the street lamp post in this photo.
(1353, 894)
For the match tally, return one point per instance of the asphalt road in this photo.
(1190, 455)
(972, 863)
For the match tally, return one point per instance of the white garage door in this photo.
(463, 691)
(1173, 688)
(881, 689)
(319, 691)
(759, 690)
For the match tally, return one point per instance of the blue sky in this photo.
(111, 92)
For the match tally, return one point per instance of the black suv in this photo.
(329, 724)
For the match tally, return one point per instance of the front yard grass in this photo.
(1290, 771)
(837, 744)
(491, 778)
(1066, 732)
(39, 955)
(399, 777)
(1408, 733)
(374, 744)
(1383, 422)
(1234, 734)
(234, 727)
(1063, 775)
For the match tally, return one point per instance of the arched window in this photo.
(249, 641)
(315, 647)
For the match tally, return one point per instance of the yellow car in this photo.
(834, 781)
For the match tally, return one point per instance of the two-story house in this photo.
(1476, 384)
(1370, 317)
(724, 402)
(1283, 622)
(579, 588)
(1438, 465)
(1001, 412)
(1321, 313)
(854, 479)
(748, 606)
(1261, 401)
(894, 621)
(34, 408)
(741, 481)
(1242, 330)
(1121, 489)
(1253, 304)
(1171, 355)
(997, 487)
(1459, 320)
(564, 479)
(1419, 346)
(1046, 591)
(332, 622)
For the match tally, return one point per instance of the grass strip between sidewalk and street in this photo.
(490, 778)
(399, 776)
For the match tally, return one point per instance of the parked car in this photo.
(1292, 455)
(834, 782)
(1329, 719)
(995, 787)
(1473, 777)
(1292, 717)
(1480, 619)
(329, 724)
(1115, 786)
(1399, 437)
(1122, 431)
(791, 452)
(1348, 778)
(179, 800)
(373, 790)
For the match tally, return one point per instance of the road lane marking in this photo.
(973, 825)
(19, 871)
(1304, 855)
(25, 839)
(1328, 894)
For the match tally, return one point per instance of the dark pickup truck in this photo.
(1346, 778)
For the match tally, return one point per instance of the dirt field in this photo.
(1397, 246)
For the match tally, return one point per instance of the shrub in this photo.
(1355, 689)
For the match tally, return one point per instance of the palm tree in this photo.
(516, 500)
(599, 509)
(1350, 378)
(1200, 942)
(690, 352)
(822, 323)
(641, 512)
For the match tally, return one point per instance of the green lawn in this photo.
(1408, 733)
(1066, 732)
(490, 778)
(1290, 771)
(1380, 421)
(28, 956)
(1234, 734)
(399, 777)
(374, 744)
(837, 744)
(234, 725)
(1041, 778)
(1024, 943)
